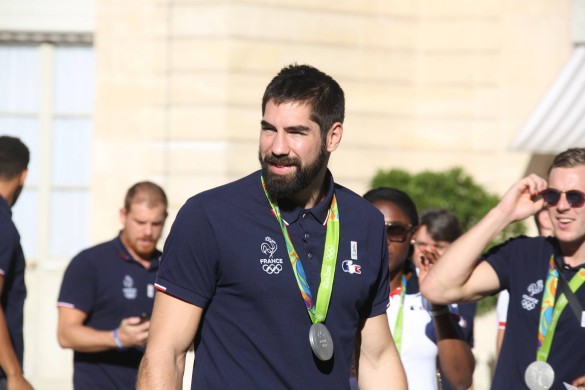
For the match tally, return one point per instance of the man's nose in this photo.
(280, 146)
(563, 203)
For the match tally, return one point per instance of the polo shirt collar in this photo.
(561, 257)
(125, 255)
(320, 211)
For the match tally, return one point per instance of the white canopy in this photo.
(558, 121)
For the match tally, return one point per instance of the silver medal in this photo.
(539, 376)
(321, 341)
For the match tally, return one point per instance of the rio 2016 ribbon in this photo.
(551, 310)
(397, 333)
(548, 301)
(318, 311)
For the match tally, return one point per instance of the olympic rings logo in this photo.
(272, 268)
(526, 304)
(330, 252)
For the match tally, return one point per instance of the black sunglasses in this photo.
(574, 197)
(398, 231)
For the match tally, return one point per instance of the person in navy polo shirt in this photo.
(277, 275)
(545, 333)
(107, 295)
(14, 159)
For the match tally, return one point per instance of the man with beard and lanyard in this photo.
(545, 334)
(14, 159)
(277, 274)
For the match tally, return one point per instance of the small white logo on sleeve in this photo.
(354, 250)
(150, 290)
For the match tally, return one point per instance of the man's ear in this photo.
(123, 215)
(22, 177)
(334, 136)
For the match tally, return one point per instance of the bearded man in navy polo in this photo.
(107, 295)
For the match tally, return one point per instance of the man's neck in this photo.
(573, 253)
(396, 280)
(144, 261)
(574, 261)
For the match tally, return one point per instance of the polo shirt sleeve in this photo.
(78, 285)
(381, 294)
(189, 266)
(500, 257)
(8, 246)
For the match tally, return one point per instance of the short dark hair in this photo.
(441, 224)
(569, 158)
(14, 157)
(396, 196)
(146, 191)
(306, 84)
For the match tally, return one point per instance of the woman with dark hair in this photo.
(409, 314)
(437, 229)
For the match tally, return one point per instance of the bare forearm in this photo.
(447, 280)
(83, 338)
(379, 361)
(161, 371)
(455, 356)
(457, 363)
(173, 326)
(499, 340)
(387, 373)
(8, 360)
(379, 365)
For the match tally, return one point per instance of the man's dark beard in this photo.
(17, 193)
(285, 186)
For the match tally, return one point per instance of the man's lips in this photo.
(564, 222)
(281, 168)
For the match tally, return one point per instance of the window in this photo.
(47, 101)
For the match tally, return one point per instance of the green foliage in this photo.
(455, 191)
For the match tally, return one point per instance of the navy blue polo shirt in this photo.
(12, 266)
(226, 253)
(522, 267)
(108, 285)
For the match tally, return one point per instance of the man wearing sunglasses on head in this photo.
(543, 346)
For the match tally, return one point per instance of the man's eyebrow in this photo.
(264, 124)
(298, 128)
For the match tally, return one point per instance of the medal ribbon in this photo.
(397, 334)
(317, 312)
(550, 311)
(548, 300)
